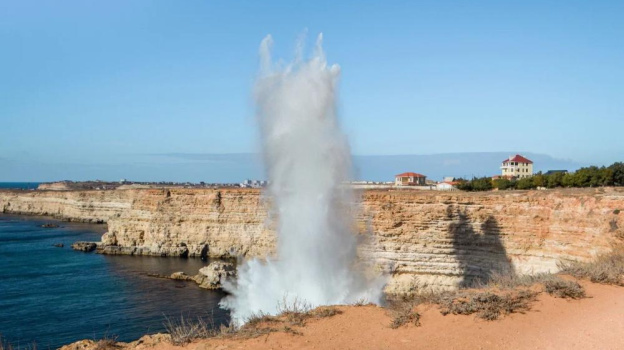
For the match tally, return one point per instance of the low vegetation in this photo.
(487, 305)
(106, 343)
(185, 330)
(605, 269)
(362, 302)
(295, 312)
(552, 284)
(503, 294)
(592, 176)
(292, 313)
(561, 288)
(6, 345)
(403, 312)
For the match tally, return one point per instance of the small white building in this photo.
(446, 186)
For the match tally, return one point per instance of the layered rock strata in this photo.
(443, 239)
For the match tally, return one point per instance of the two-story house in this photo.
(517, 166)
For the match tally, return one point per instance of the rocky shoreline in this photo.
(211, 276)
(208, 277)
(416, 237)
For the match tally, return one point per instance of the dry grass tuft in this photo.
(292, 331)
(298, 317)
(185, 331)
(260, 318)
(225, 331)
(561, 288)
(513, 281)
(402, 313)
(106, 343)
(325, 311)
(292, 314)
(295, 312)
(246, 332)
(606, 269)
(6, 345)
(503, 294)
(362, 302)
(552, 284)
(256, 325)
(486, 305)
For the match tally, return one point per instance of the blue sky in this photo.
(107, 84)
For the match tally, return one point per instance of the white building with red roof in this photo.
(517, 166)
(410, 179)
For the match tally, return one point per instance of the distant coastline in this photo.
(19, 185)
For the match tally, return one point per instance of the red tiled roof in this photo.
(410, 174)
(518, 158)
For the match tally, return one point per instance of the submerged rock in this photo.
(49, 225)
(213, 275)
(84, 246)
(58, 245)
(181, 276)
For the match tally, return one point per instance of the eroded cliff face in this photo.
(219, 223)
(417, 237)
(83, 206)
(450, 239)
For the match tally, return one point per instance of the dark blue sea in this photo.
(54, 296)
(19, 185)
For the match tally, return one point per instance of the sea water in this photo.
(19, 185)
(54, 296)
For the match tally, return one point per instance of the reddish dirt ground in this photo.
(593, 323)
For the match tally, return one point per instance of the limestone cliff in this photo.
(441, 239)
(84, 206)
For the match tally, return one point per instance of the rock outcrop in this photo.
(417, 237)
(213, 275)
(84, 246)
(209, 277)
(146, 342)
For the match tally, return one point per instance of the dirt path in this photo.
(593, 323)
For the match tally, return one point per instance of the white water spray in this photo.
(307, 158)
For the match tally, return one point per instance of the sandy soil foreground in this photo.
(593, 323)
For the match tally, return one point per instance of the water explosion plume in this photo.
(307, 159)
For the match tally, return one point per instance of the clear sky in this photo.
(105, 83)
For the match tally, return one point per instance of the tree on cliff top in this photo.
(476, 184)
